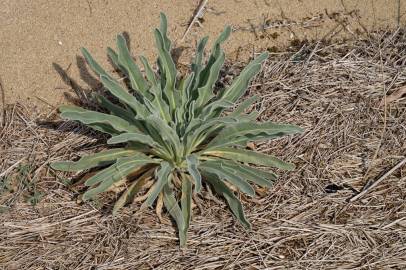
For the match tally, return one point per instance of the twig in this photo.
(45, 102)
(195, 17)
(368, 188)
(397, 94)
(385, 103)
(393, 223)
(312, 54)
(9, 169)
(398, 13)
(3, 102)
(2, 94)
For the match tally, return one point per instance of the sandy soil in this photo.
(40, 40)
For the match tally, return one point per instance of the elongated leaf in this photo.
(143, 140)
(191, 112)
(178, 99)
(114, 59)
(93, 64)
(209, 109)
(197, 62)
(120, 167)
(160, 102)
(252, 116)
(186, 204)
(222, 37)
(115, 109)
(199, 125)
(185, 89)
(248, 156)
(239, 86)
(92, 117)
(132, 137)
(116, 172)
(206, 91)
(215, 53)
(163, 176)
(244, 105)
(229, 176)
(124, 58)
(163, 28)
(248, 131)
(232, 200)
(91, 161)
(149, 71)
(125, 97)
(179, 121)
(166, 132)
(168, 66)
(104, 128)
(99, 122)
(174, 210)
(197, 133)
(73, 108)
(132, 190)
(262, 178)
(155, 133)
(111, 178)
(192, 165)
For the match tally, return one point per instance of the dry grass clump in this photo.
(304, 222)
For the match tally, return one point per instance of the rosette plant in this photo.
(174, 136)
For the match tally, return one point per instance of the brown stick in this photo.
(367, 189)
(195, 17)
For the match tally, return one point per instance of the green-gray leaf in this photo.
(124, 58)
(149, 72)
(259, 177)
(174, 210)
(248, 131)
(115, 109)
(134, 161)
(239, 86)
(125, 97)
(133, 137)
(232, 200)
(248, 156)
(163, 178)
(192, 165)
(244, 105)
(205, 92)
(114, 59)
(93, 64)
(197, 62)
(168, 66)
(215, 53)
(92, 117)
(186, 204)
(114, 173)
(236, 180)
(163, 28)
(91, 161)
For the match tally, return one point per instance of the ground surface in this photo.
(40, 40)
(337, 92)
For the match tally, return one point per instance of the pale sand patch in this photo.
(37, 34)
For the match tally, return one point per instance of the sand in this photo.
(40, 40)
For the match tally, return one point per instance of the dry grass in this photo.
(304, 222)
